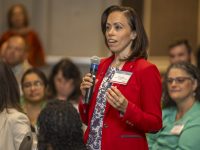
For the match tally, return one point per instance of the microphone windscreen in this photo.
(95, 60)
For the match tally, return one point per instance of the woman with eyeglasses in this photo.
(181, 113)
(33, 85)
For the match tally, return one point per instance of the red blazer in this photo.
(36, 56)
(143, 113)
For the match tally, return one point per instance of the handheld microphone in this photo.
(93, 70)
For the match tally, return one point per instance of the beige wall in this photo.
(74, 29)
(168, 21)
(66, 27)
(172, 20)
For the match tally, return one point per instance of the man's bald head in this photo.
(16, 51)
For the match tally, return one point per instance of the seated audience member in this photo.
(18, 23)
(14, 124)
(34, 84)
(181, 113)
(16, 56)
(60, 127)
(64, 82)
(180, 51)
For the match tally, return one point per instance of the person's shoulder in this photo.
(14, 116)
(106, 60)
(168, 115)
(26, 65)
(7, 32)
(195, 114)
(31, 32)
(168, 111)
(6, 35)
(13, 113)
(142, 63)
(144, 67)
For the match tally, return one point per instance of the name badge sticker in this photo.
(121, 77)
(176, 130)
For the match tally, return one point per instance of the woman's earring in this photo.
(193, 94)
(134, 36)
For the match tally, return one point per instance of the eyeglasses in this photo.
(36, 84)
(178, 80)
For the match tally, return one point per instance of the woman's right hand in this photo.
(86, 83)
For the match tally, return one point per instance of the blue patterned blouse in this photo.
(95, 135)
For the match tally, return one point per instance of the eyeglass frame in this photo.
(178, 80)
(37, 84)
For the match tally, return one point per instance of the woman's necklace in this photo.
(117, 64)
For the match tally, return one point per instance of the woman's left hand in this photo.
(116, 99)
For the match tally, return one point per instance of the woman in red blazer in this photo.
(126, 100)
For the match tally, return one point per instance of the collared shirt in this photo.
(186, 136)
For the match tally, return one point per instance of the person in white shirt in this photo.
(14, 124)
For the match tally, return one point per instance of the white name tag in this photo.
(177, 129)
(121, 77)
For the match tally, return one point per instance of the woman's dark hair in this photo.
(60, 127)
(9, 89)
(69, 71)
(36, 71)
(190, 70)
(10, 13)
(140, 43)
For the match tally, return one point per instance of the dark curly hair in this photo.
(60, 127)
(140, 44)
(69, 71)
(190, 70)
